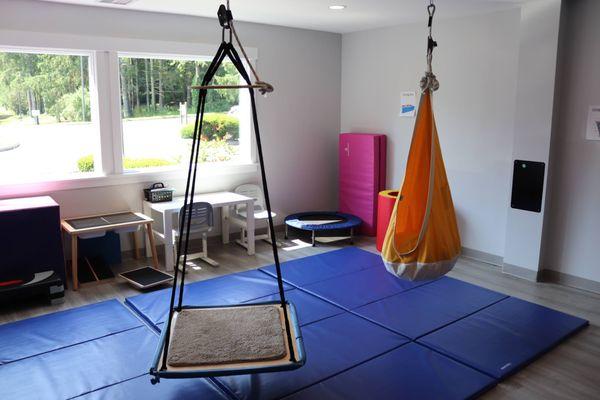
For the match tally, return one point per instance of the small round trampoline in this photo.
(323, 223)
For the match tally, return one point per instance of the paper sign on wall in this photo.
(593, 125)
(407, 104)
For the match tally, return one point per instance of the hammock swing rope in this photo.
(226, 49)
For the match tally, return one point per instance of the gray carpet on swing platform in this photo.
(226, 336)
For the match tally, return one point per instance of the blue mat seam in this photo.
(106, 386)
(461, 318)
(223, 388)
(458, 361)
(274, 276)
(346, 369)
(518, 367)
(138, 313)
(362, 305)
(418, 337)
(71, 345)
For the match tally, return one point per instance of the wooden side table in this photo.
(93, 225)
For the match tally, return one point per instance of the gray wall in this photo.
(572, 234)
(299, 121)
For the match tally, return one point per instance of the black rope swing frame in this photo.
(295, 346)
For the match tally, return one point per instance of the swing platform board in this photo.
(146, 277)
(236, 365)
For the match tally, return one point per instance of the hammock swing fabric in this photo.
(204, 341)
(422, 239)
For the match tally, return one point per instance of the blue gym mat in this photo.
(409, 372)
(307, 270)
(141, 388)
(79, 369)
(426, 308)
(309, 308)
(465, 338)
(504, 337)
(229, 289)
(362, 287)
(332, 346)
(34, 336)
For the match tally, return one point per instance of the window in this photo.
(113, 117)
(158, 110)
(45, 116)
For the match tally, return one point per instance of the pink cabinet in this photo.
(362, 176)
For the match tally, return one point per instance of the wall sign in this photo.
(408, 104)
(593, 124)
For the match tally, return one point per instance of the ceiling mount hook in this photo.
(225, 17)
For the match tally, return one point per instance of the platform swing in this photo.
(422, 239)
(205, 341)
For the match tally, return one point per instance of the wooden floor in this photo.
(570, 371)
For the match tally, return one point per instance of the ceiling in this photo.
(315, 14)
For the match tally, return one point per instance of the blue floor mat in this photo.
(504, 337)
(141, 388)
(30, 337)
(224, 290)
(332, 346)
(356, 289)
(307, 270)
(80, 369)
(429, 307)
(309, 308)
(409, 372)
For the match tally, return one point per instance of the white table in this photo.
(224, 200)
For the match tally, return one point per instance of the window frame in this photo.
(104, 82)
(94, 111)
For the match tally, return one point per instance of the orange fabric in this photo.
(422, 240)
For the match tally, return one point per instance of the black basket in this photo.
(158, 193)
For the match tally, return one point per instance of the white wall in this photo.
(573, 228)
(299, 122)
(538, 47)
(476, 63)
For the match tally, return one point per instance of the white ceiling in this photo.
(315, 14)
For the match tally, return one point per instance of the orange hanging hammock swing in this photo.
(422, 239)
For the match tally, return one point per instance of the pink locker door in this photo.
(362, 164)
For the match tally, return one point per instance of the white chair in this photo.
(201, 223)
(261, 215)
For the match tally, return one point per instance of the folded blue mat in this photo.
(409, 372)
(504, 337)
(307, 270)
(80, 369)
(426, 308)
(332, 346)
(49, 332)
(224, 290)
(356, 289)
(141, 388)
(309, 308)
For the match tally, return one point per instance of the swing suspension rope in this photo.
(226, 19)
(429, 81)
(226, 49)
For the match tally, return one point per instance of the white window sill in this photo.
(82, 181)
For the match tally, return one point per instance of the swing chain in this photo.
(429, 81)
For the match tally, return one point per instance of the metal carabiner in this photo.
(431, 12)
